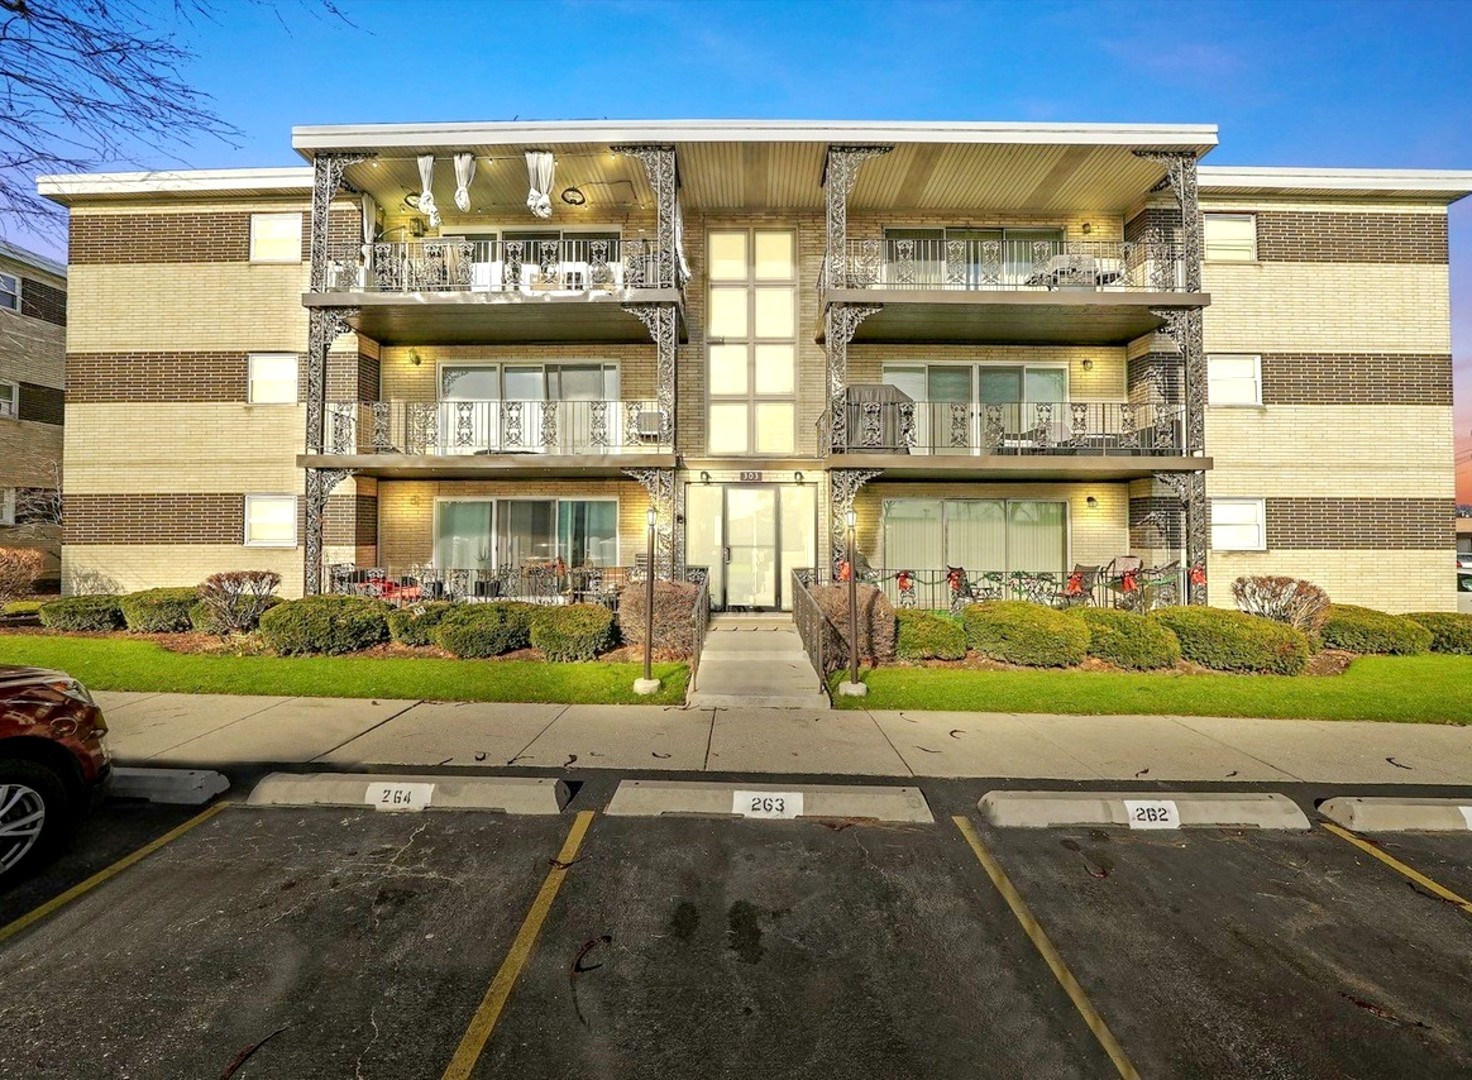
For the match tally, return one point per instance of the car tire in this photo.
(26, 789)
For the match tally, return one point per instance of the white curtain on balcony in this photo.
(426, 195)
(539, 169)
(464, 174)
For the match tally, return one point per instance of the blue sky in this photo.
(1323, 84)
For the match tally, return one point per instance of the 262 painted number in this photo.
(1152, 814)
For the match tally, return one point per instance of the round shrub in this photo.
(1234, 641)
(95, 612)
(474, 631)
(203, 621)
(325, 624)
(1129, 640)
(674, 615)
(573, 632)
(875, 620)
(415, 625)
(1017, 632)
(159, 611)
(1365, 630)
(1451, 631)
(927, 635)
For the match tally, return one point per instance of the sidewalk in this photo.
(219, 731)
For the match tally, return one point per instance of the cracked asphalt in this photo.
(276, 942)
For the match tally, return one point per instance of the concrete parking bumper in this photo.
(507, 794)
(1399, 814)
(653, 798)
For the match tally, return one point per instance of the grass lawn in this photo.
(1433, 689)
(120, 664)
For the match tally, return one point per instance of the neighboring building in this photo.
(1010, 348)
(1464, 558)
(32, 389)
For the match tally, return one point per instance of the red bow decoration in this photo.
(905, 580)
(953, 578)
(1198, 574)
(844, 571)
(1129, 581)
(1075, 584)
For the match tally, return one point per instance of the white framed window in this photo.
(9, 399)
(1233, 380)
(9, 292)
(271, 378)
(1238, 525)
(7, 506)
(270, 520)
(276, 238)
(1229, 237)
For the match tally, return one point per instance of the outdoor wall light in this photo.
(1093, 502)
(705, 478)
(1088, 365)
(797, 477)
(1087, 228)
(415, 358)
(573, 196)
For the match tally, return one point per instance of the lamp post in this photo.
(648, 684)
(852, 688)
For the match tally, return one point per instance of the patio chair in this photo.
(1078, 588)
(1122, 577)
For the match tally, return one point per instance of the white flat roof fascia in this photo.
(1455, 182)
(174, 182)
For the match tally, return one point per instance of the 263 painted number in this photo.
(767, 804)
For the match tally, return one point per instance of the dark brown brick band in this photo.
(1378, 524)
(125, 239)
(44, 404)
(162, 377)
(1163, 221)
(42, 301)
(1356, 379)
(1332, 236)
(154, 519)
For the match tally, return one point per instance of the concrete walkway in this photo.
(755, 661)
(220, 731)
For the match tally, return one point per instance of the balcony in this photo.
(449, 439)
(455, 290)
(1010, 292)
(1060, 440)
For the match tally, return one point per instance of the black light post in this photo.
(853, 606)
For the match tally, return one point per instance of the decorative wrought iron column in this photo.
(843, 486)
(1190, 488)
(659, 166)
(660, 483)
(840, 173)
(1180, 178)
(663, 321)
(327, 170)
(840, 323)
(320, 483)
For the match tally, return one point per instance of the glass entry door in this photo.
(751, 547)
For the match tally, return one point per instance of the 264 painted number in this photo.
(386, 795)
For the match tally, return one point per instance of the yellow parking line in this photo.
(1398, 866)
(112, 871)
(1049, 952)
(484, 1021)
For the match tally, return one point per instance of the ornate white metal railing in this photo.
(499, 266)
(497, 427)
(1147, 265)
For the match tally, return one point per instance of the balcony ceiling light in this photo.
(573, 196)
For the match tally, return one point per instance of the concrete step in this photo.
(699, 699)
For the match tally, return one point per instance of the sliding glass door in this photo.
(525, 534)
(965, 407)
(501, 408)
(978, 535)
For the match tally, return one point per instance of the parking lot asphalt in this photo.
(288, 942)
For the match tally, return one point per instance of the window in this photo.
(276, 238)
(752, 326)
(1229, 237)
(272, 378)
(9, 292)
(1238, 525)
(978, 535)
(270, 520)
(9, 400)
(487, 534)
(7, 506)
(1234, 380)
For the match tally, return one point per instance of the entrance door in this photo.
(752, 564)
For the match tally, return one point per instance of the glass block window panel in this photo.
(276, 238)
(728, 314)
(1229, 237)
(776, 312)
(1238, 525)
(776, 369)
(272, 378)
(728, 374)
(728, 428)
(1234, 380)
(270, 520)
(774, 427)
(776, 256)
(727, 256)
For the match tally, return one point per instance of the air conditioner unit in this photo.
(649, 424)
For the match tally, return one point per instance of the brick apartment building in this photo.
(32, 387)
(1015, 349)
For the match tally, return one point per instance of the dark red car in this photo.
(52, 761)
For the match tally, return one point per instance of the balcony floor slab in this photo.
(482, 466)
(1017, 466)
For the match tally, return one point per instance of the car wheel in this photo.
(33, 814)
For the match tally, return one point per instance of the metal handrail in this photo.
(980, 265)
(498, 427)
(543, 583)
(701, 620)
(821, 638)
(459, 264)
(1102, 428)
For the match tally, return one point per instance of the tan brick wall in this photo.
(1390, 581)
(129, 567)
(1356, 378)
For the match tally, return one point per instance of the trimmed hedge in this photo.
(928, 635)
(1017, 632)
(415, 625)
(1129, 640)
(22, 607)
(95, 612)
(475, 631)
(1451, 631)
(573, 632)
(1234, 641)
(159, 611)
(201, 619)
(1365, 630)
(674, 615)
(325, 624)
